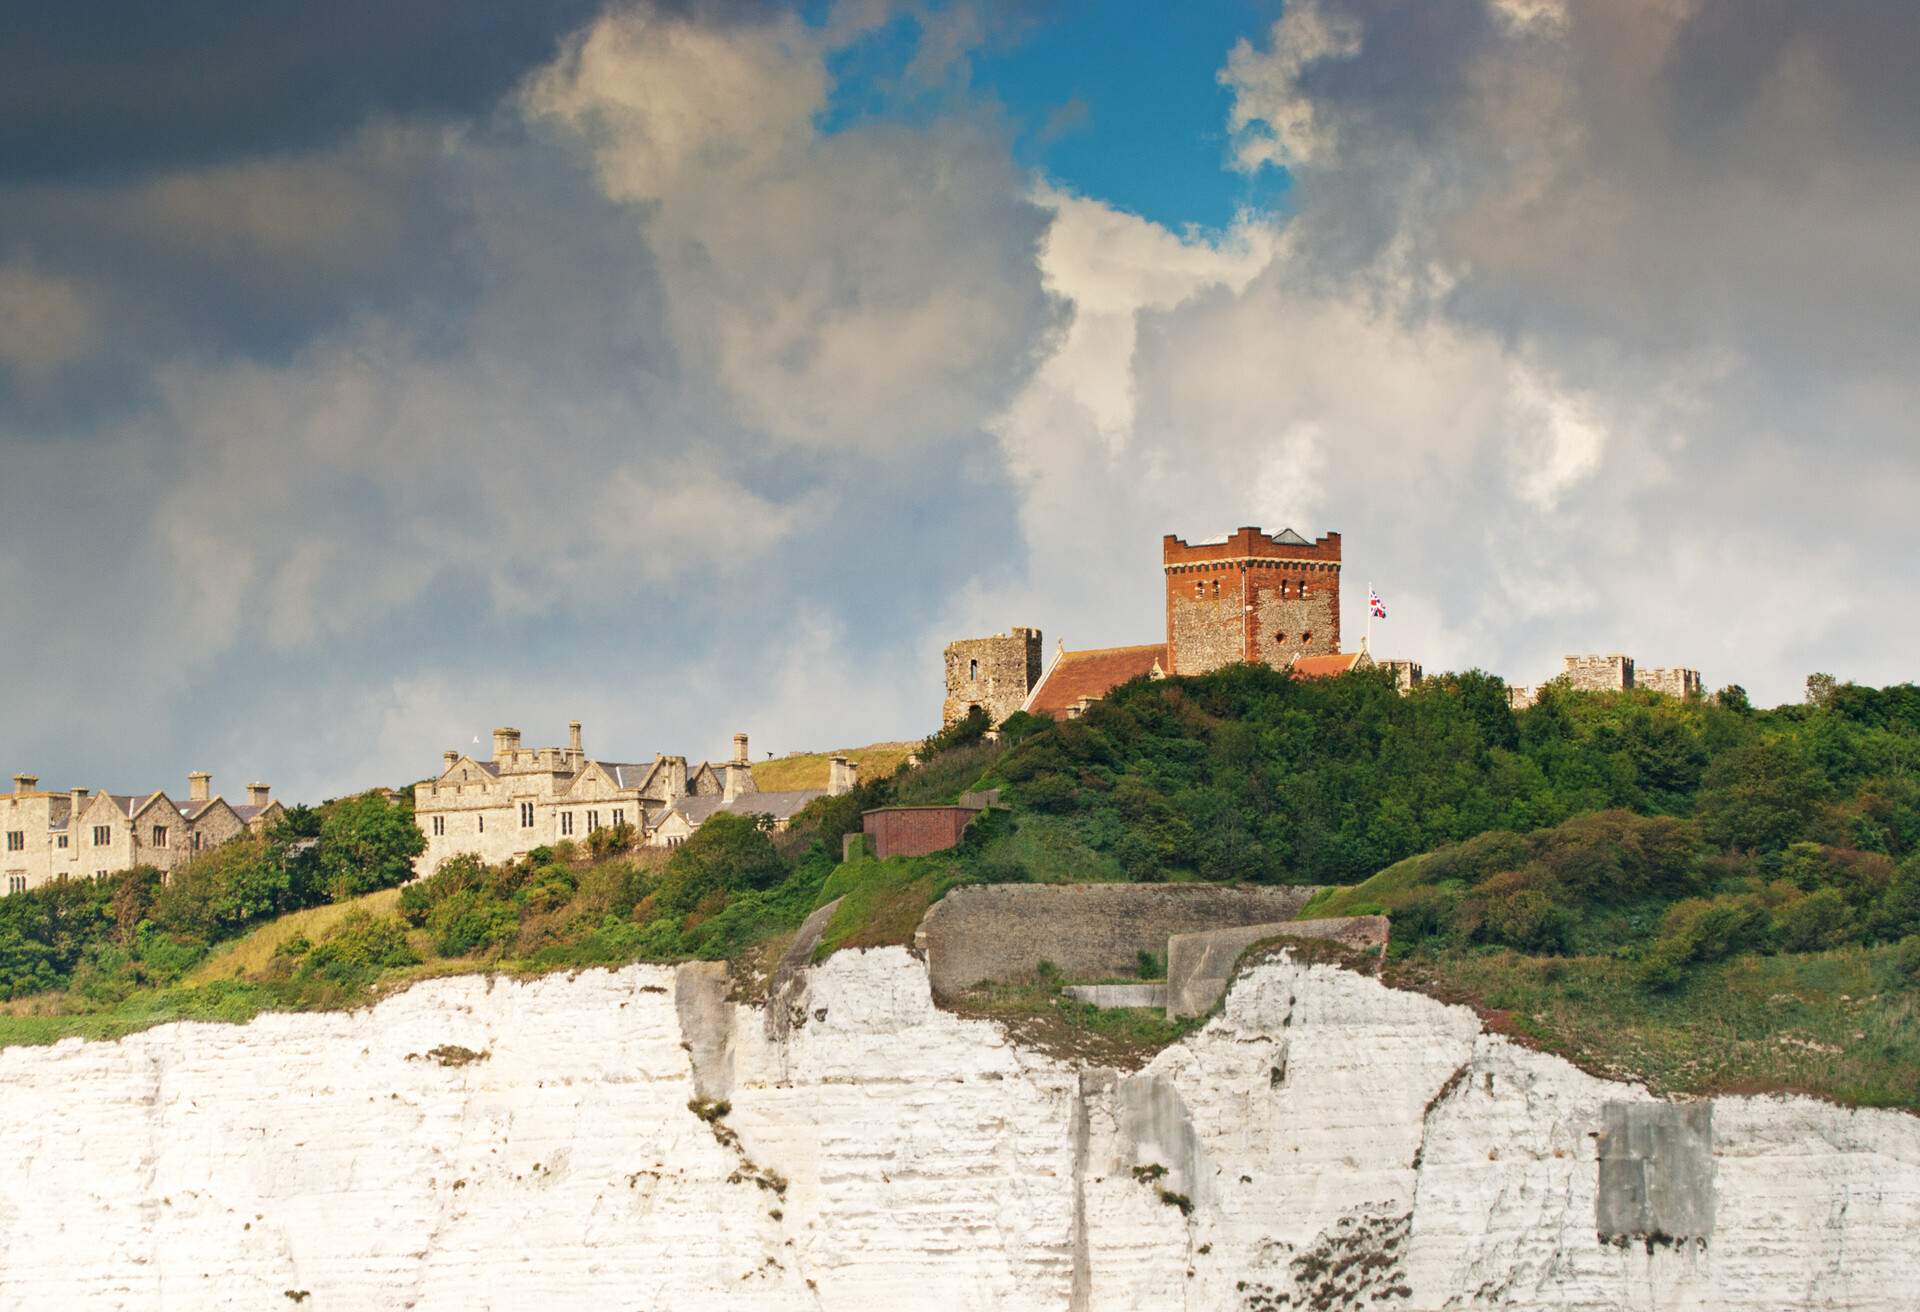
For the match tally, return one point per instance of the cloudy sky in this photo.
(377, 372)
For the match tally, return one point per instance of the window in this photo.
(1307, 636)
(60, 841)
(566, 823)
(593, 821)
(1216, 587)
(439, 825)
(197, 837)
(16, 883)
(159, 835)
(1303, 587)
(16, 840)
(102, 835)
(99, 874)
(1199, 589)
(480, 824)
(619, 817)
(526, 815)
(973, 671)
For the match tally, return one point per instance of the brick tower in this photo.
(1252, 597)
(994, 674)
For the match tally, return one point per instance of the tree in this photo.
(727, 853)
(367, 843)
(1820, 689)
(1758, 798)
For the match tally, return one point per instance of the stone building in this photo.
(84, 833)
(521, 798)
(1612, 673)
(995, 673)
(739, 795)
(1077, 679)
(1252, 596)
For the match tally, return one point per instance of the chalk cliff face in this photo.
(1325, 1142)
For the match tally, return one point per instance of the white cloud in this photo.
(45, 321)
(1273, 120)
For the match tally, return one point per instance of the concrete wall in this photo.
(1201, 965)
(1090, 931)
(916, 830)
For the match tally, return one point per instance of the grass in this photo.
(809, 769)
(249, 954)
(1837, 1025)
(1037, 1015)
(881, 902)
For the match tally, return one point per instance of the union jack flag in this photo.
(1379, 606)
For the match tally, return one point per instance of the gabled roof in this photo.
(1287, 537)
(1325, 667)
(630, 774)
(781, 806)
(1093, 673)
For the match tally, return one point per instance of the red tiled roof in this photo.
(1095, 673)
(1324, 667)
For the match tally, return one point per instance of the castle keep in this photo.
(1251, 597)
(995, 674)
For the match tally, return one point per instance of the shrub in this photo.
(470, 921)
(1759, 798)
(1697, 930)
(358, 949)
(1514, 909)
(728, 852)
(1906, 961)
(1822, 919)
(604, 843)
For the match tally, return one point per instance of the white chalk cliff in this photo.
(1324, 1142)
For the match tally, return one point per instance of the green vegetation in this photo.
(1695, 893)
(809, 769)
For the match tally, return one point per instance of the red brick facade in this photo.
(916, 830)
(1250, 598)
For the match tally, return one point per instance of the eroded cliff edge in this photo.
(635, 1139)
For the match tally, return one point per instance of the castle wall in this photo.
(1090, 931)
(993, 673)
(1674, 682)
(1598, 673)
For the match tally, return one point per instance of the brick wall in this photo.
(993, 673)
(1090, 931)
(1250, 598)
(916, 830)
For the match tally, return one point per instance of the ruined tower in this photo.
(994, 674)
(1251, 597)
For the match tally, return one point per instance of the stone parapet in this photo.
(1201, 965)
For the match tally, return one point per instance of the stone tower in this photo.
(995, 674)
(1252, 597)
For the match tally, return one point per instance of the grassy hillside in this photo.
(809, 769)
(1691, 893)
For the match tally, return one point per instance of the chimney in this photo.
(198, 785)
(76, 798)
(257, 794)
(674, 771)
(740, 749)
(842, 776)
(573, 738)
(26, 783)
(449, 759)
(504, 742)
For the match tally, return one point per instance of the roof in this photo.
(246, 812)
(1287, 537)
(629, 774)
(1325, 667)
(1092, 673)
(781, 806)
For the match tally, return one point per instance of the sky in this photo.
(373, 374)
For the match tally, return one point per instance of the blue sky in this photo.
(1117, 99)
(379, 372)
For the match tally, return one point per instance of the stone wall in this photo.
(1089, 931)
(1674, 682)
(995, 674)
(1250, 597)
(1598, 673)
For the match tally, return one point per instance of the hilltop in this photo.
(798, 770)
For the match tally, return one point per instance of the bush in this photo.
(356, 950)
(604, 843)
(1697, 930)
(1514, 909)
(471, 921)
(727, 853)
(1822, 919)
(1906, 961)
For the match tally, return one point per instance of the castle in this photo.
(81, 832)
(1614, 673)
(526, 797)
(1251, 596)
